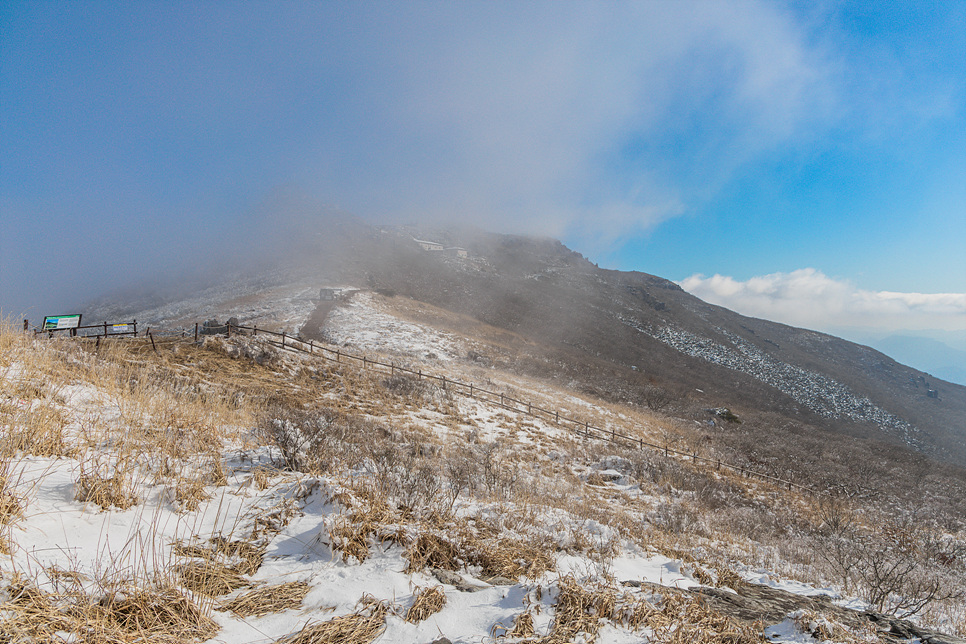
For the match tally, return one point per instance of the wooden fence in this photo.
(103, 330)
(579, 427)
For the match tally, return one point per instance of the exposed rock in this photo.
(753, 602)
(817, 392)
(456, 580)
(501, 581)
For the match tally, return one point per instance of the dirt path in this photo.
(312, 329)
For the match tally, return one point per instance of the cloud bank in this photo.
(606, 119)
(809, 298)
(159, 127)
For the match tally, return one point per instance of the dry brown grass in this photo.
(522, 627)
(174, 407)
(107, 484)
(823, 629)
(496, 557)
(511, 558)
(426, 602)
(11, 503)
(361, 627)
(354, 532)
(36, 430)
(246, 556)
(728, 578)
(123, 615)
(210, 578)
(687, 620)
(269, 599)
(240, 556)
(431, 550)
(190, 493)
(583, 608)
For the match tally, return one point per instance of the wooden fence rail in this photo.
(105, 329)
(579, 427)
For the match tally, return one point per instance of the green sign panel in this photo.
(55, 322)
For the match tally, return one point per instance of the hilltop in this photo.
(260, 494)
(614, 334)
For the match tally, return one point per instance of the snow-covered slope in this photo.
(215, 471)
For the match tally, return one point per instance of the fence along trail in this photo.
(580, 428)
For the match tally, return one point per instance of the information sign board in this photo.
(55, 322)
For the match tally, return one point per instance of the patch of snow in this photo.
(360, 323)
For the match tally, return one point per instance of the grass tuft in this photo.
(122, 615)
(106, 485)
(270, 599)
(361, 627)
(210, 578)
(428, 601)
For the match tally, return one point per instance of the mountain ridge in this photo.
(617, 333)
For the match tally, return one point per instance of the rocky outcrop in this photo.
(755, 603)
(814, 391)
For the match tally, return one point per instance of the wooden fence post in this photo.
(338, 358)
(228, 329)
(153, 346)
(556, 417)
(283, 339)
(105, 329)
(26, 324)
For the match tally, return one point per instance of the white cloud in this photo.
(604, 119)
(809, 298)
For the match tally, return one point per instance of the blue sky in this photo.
(799, 161)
